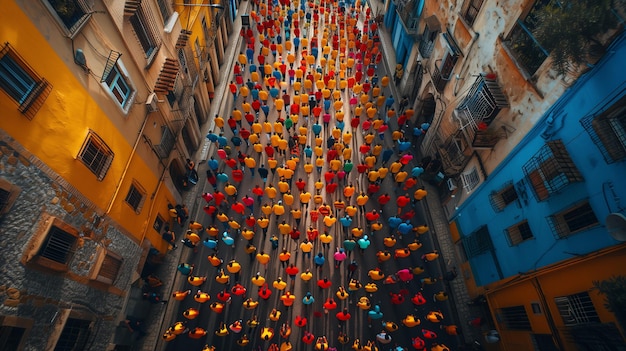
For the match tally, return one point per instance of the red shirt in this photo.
(300, 184)
(361, 168)
(372, 216)
(237, 175)
(402, 201)
(324, 283)
(384, 199)
(343, 316)
(292, 270)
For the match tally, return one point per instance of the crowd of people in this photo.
(315, 131)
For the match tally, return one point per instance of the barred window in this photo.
(514, 318)
(551, 170)
(470, 179)
(576, 309)
(72, 14)
(572, 220)
(8, 195)
(518, 233)
(136, 196)
(21, 83)
(478, 242)
(470, 11)
(96, 155)
(74, 336)
(502, 198)
(145, 29)
(109, 268)
(608, 131)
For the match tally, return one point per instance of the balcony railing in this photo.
(409, 13)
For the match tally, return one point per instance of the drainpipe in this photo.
(130, 158)
(152, 204)
(546, 310)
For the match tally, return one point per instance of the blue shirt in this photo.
(319, 260)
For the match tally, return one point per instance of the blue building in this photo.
(548, 200)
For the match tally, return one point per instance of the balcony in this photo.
(481, 105)
(455, 153)
(409, 13)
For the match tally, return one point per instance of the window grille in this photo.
(96, 155)
(11, 337)
(165, 9)
(573, 220)
(21, 83)
(482, 103)
(550, 170)
(514, 318)
(165, 146)
(58, 245)
(478, 242)
(576, 309)
(144, 27)
(74, 336)
(472, 7)
(135, 197)
(470, 179)
(518, 233)
(608, 131)
(502, 198)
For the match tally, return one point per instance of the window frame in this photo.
(470, 180)
(78, 341)
(519, 28)
(607, 130)
(12, 190)
(41, 239)
(15, 322)
(515, 235)
(561, 226)
(72, 31)
(551, 170)
(105, 163)
(511, 318)
(21, 83)
(134, 190)
(118, 73)
(142, 23)
(469, 5)
(106, 261)
(577, 308)
(500, 200)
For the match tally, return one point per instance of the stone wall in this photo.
(34, 293)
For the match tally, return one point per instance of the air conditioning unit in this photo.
(151, 103)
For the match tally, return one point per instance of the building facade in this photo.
(527, 161)
(102, 103)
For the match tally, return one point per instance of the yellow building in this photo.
(102, 104)
(557, 307)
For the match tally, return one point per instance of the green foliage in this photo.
(567, 28)
(614, 291)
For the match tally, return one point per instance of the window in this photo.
(482, 103)
(514, 318)
(166, 144)
(72, 14)
(608, 131)
(158, 223)
(52, 246)
(8, 195)
(431, 30)
(136, 196)
(119, 86)
(536, 307)
(576, 309)
(107, 267)
(96, 155)
(519, 233)
(182, 58)
(470, 180)
(13, 332)
(478, 242)
(527, 50)
(551, 170)
(144, 27)
(74, 336)
(21, 83)
(503, 197)
(165, 8)
(470, 11)
(573, 220)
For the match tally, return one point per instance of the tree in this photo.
(570, 30)
(614, 291)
